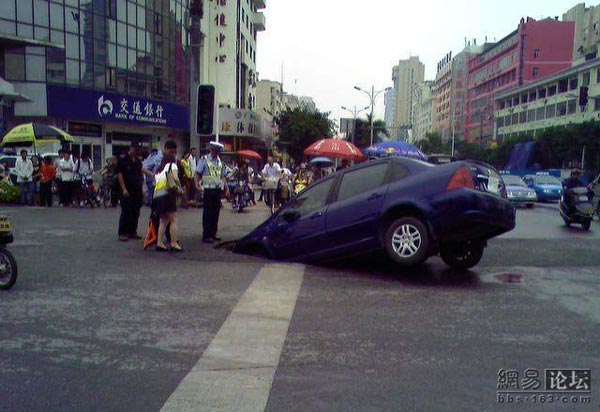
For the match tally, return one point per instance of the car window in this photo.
(362, 180)
(397, 172)
(487, 179)
(313, 198)
(513, 180)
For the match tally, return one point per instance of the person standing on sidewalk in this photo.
(150, 165)
(210, 178)
(131, 180)
(67, 173)
(24, 172)
(48, 172)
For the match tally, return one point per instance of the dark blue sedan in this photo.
(410, 209)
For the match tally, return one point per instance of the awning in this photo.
(8, 42)
(7, 92)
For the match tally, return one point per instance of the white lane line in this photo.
(236, 371)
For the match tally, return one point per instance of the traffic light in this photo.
(205, 112)
(583, 96)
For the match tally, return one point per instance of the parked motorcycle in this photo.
(576, 208)
(8, 264)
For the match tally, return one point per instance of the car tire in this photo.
(586, 225)
(407, 242)
(463, 256)
(529, 205)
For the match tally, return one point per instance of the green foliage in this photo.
(556, 147)
(300, 127)
(8, 192)
(363, 131)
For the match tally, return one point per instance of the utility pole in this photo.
(355, 112)
(196, 14)
(372, 97)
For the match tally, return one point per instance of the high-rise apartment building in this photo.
(389, 100)
(458, 93)
(406, 75)
(441, 103)
(269, 99)
(422, 110)
(535, 50)
(587, 32)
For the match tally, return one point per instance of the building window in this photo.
(573, 83)
(536, 54)
(550, 111)
(552, 90)
(523, 117)
(563, 86)
(540, 114)
(531, 115)
(532, 96)
(597, 76)
(535, 72)
(586, 79)
(561, 109)
(597, 105)
(541, 93)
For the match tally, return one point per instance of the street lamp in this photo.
(372, 96)
(355, 112)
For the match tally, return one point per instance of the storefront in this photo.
(105, 124)
(242, 129)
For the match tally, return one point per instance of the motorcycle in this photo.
(580, 210)
(241, 196)
(8, 264)
(594, 188)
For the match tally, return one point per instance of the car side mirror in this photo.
(290, 216)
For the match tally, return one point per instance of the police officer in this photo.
(210, 179)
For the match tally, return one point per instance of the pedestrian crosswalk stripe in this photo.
(236, 371)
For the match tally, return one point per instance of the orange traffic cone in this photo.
(151, 235)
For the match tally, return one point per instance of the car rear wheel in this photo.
(529, 205)
(407, 241)
(462, 256)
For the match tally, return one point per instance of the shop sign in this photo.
(80, 104)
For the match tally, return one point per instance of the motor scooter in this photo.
(8, 264)
(576, 208)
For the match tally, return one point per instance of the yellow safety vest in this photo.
(213, 179)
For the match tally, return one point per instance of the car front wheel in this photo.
(407, 241)
(462, 256)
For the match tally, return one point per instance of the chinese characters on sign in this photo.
(555, 386)
(220, 22)
(241, 122)
(141, 111)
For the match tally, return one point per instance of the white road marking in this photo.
(236, 371)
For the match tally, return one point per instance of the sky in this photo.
(326, 47)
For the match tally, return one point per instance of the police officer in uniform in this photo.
(210, 179)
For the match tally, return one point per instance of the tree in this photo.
(433, 144)
(300, 127)
(363, 131)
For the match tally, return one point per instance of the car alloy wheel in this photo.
(462, 256)
(407, 241)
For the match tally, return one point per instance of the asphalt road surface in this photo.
(98, 325)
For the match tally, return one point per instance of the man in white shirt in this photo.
(193, 161)
(67, 171)
(271, 169)
(24, 172)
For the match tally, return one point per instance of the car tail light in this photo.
(462, 179)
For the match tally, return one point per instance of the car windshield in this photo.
(547, 180)
(512, 180)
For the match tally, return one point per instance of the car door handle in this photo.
(316, 215)
(374, 196)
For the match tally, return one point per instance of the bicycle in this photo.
(270, 186)
(105, 191)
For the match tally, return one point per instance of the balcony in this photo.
(258, 19)
(259, 4)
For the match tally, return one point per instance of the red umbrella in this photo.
(250, 153)
(336, 148)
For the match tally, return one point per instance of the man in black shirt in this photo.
(130, 177)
